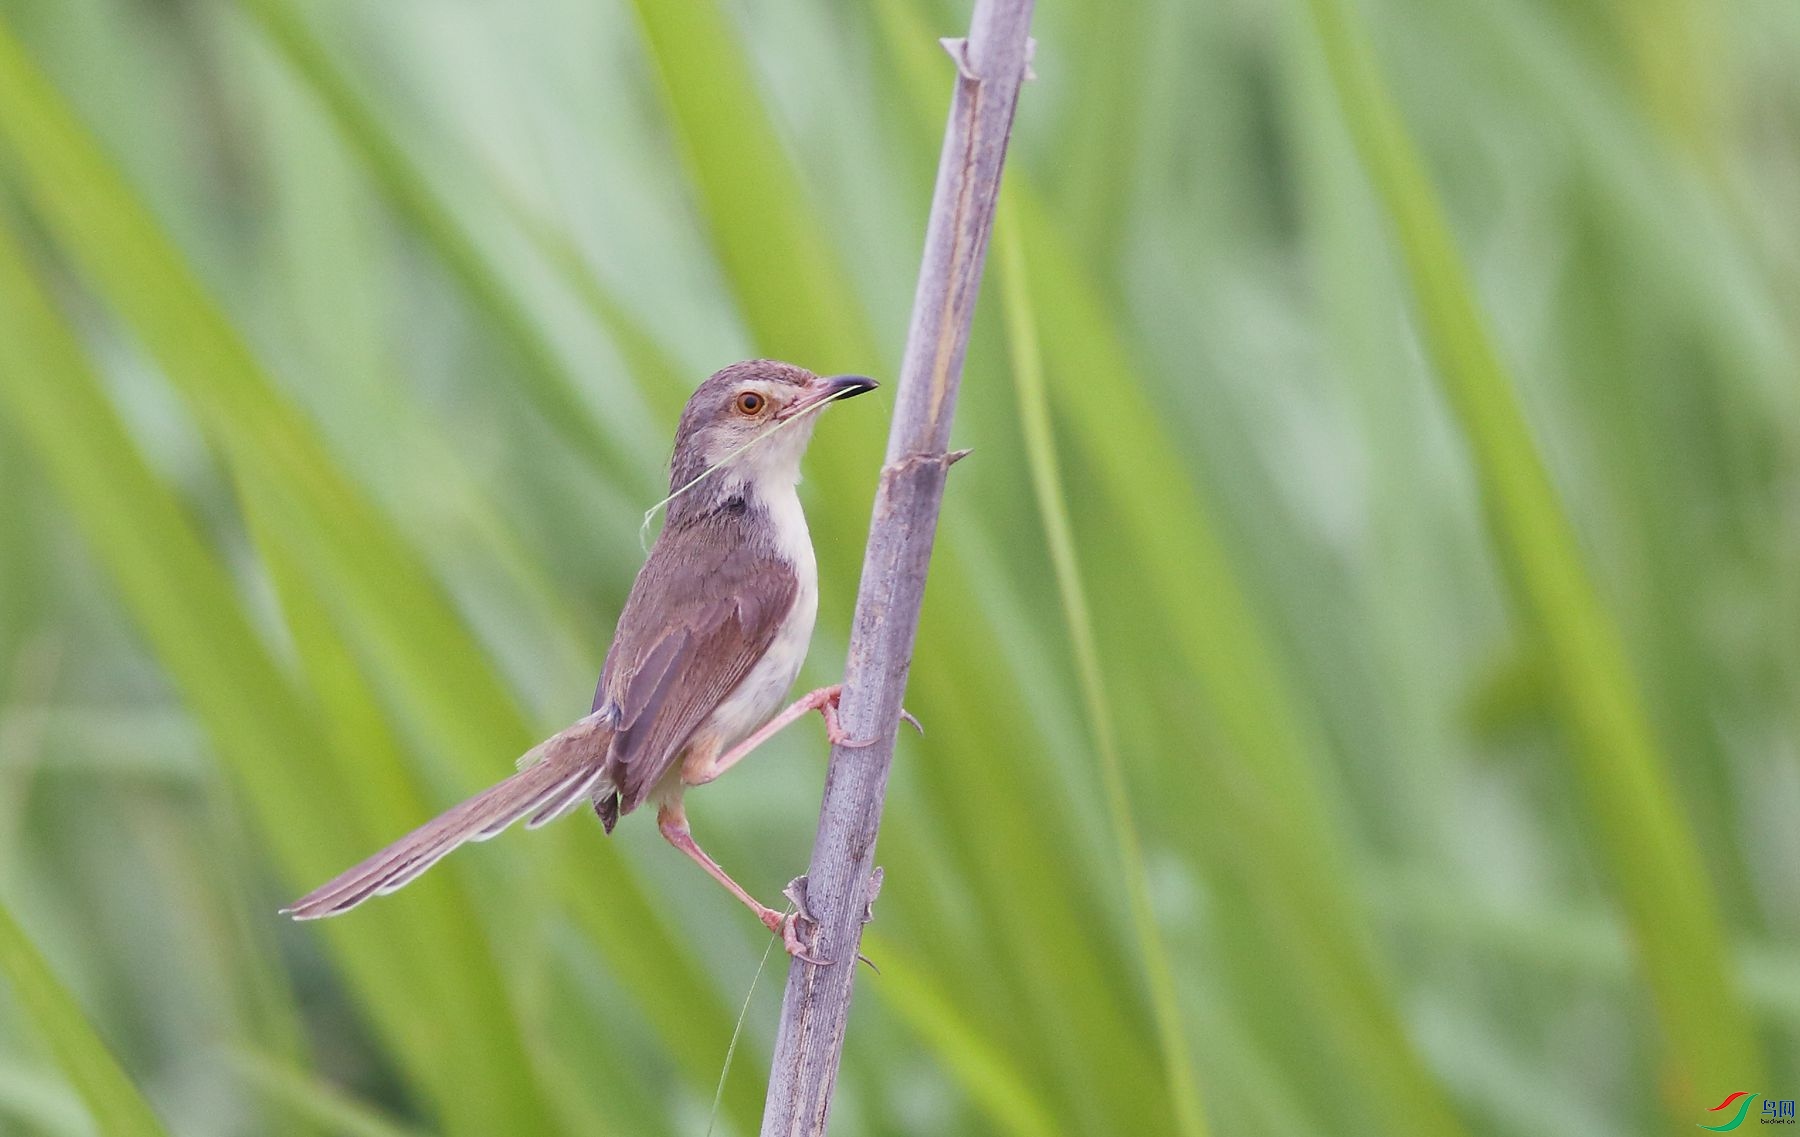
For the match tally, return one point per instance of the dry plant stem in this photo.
(990, 65)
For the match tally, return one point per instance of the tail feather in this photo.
(573, 794)
(567, 769)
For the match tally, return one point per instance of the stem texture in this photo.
(839, 886)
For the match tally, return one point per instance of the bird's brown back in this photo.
(703, 611)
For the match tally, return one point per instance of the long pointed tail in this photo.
(558, 775)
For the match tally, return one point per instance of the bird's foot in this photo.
(834, 727)
(790, 939)
(788, 925)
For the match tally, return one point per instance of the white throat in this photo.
(787, 524)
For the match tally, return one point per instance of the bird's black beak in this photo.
(828, 387)
(849, 386)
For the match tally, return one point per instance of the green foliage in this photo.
(117, 1108)
(1641, 829)
(1040, 443)
(1358, 660)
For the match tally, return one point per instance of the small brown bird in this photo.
(710, 639)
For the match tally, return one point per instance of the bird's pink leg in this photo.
(672, 820)
(824, 700)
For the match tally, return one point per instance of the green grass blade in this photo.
(375, 583)
(984, 1070)
(1590, 943)
(1107, 122)
(1262, 794)
(545, 377)
(1131, 452)
(1268, 822)
(794, 291)
(1641, 830)
(189, 612)
(118, 1109)
(659, 375)
(328, 1109)
(41, 1100)
(1040, 444)
(97, 219)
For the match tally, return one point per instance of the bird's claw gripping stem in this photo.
(834, 727)
(788, 928)
(788, 924)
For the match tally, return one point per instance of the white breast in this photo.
(760, 694)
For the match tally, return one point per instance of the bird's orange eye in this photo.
(750, 403)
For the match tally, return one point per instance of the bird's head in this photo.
(726, 420)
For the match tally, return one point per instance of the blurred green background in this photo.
(1360, 661)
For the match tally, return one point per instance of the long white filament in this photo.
(650, 514)
(743, 1013)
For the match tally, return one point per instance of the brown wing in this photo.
(704, 609)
